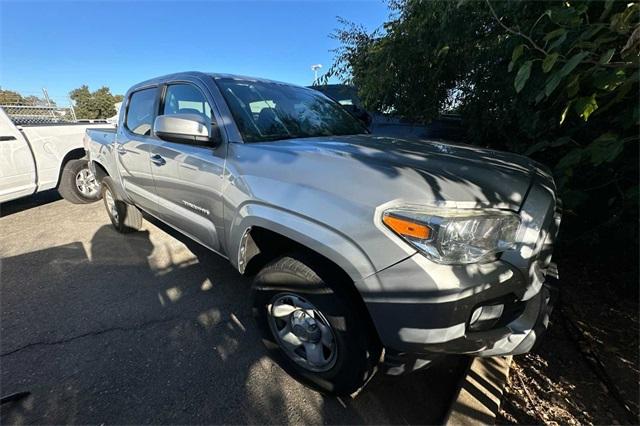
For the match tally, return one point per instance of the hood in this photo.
(445, 172)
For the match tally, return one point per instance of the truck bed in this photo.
(62, 123)
(102, 129)
(99, 144)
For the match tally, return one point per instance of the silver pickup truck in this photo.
(367, 251)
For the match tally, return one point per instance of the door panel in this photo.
(135, 170)
(188, 176)
(134, 149)
(17, 167)
(188, 183)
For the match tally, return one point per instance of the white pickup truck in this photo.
(37, 157)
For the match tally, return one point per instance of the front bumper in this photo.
(422, 308)
(437, 321)
(517, 337)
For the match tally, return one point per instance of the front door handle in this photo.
(158, 160)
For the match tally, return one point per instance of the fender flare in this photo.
(316, 236)
(120, 192)
(74, 154)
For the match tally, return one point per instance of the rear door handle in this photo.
(158, 160)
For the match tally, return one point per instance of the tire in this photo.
(124, 217)
(77, 184)
(338, 369)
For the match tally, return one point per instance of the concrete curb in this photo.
(480, 393)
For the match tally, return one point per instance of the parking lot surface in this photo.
(136, 329)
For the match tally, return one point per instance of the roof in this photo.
(160, 79)
(248, 78)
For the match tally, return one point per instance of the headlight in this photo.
(454, 236)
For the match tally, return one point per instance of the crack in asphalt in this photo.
(94, 333)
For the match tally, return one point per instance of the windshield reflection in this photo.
(266, 111)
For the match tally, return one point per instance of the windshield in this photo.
(267, 111)
(343, 94)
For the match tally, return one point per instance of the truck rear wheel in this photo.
(310, 327)
(78, 185)
(124, 217)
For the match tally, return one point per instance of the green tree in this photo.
(578, 69)
(10, 97)
(37, 101)
(92, 105)
(556, 80)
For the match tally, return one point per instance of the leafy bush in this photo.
(554, 80)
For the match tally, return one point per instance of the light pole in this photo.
(315, 69)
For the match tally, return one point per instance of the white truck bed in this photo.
(32, 156)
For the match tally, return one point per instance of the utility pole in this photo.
(315, 69)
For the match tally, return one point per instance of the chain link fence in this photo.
(32, 108)
(22, 114)
(39, 114)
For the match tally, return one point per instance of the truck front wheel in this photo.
(78, 185)
(311, 328)
(124, 217)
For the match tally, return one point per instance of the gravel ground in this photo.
(587, 368)
(137, 329)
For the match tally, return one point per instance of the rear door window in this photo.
(141, 111)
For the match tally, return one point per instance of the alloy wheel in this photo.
(86, 183)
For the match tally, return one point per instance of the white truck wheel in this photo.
(78, 185)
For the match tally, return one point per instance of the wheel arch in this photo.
(74, 154)
(100, 171)
(260, 246)
(287, 229)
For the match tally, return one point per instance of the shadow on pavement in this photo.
(25, 203)
(122, 331)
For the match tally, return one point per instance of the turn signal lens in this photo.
(454, 236)
(407, 228)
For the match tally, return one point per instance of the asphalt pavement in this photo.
(145, 329)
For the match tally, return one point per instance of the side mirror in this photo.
(359, 113)
(184, 128)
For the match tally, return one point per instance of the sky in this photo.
(62, 45)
